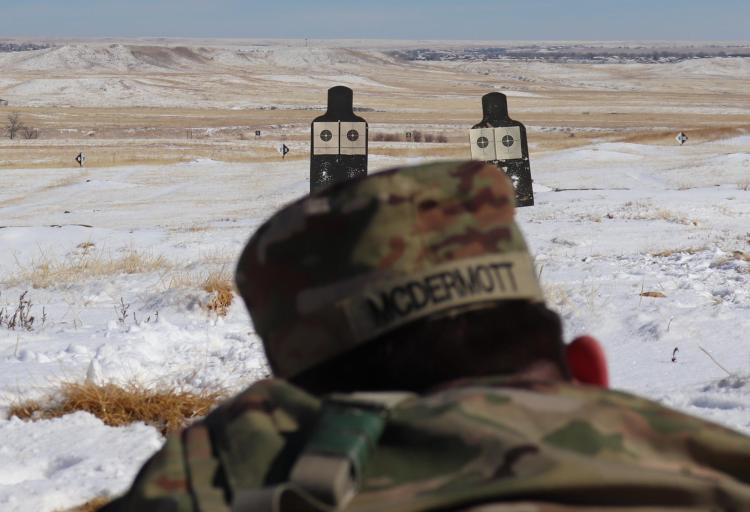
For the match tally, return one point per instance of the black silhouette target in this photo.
(502, 141)
(338, 148)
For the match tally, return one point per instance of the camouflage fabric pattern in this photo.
(432, 237)
(485, 445)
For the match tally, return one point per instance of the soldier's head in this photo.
(401, 280)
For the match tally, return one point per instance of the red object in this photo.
(587, 361)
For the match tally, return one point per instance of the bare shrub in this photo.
(29, 133)
(21, 318)
(167, 409)
(121, 310)
(13, 125)
(441, 138)
(377, 136)
(428, 137)
(416, 136)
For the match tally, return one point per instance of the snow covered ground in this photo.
(611, 221)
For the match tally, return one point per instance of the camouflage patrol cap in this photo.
(353, 261)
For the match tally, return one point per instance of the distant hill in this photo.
(21, 47)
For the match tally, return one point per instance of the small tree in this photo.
(13, 125)
(29, 133)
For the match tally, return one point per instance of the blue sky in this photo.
(391, 19)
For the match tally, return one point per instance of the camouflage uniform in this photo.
(358, 260)
(518, 446)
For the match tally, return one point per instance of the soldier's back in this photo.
(484, 445)
(552, 446)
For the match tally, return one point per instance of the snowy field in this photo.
(639, 241)
(674, 220)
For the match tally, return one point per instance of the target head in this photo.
(495, 107)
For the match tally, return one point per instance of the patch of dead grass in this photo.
(420, 150)
(45, 271)
(89, 506)
(219, 283)
(653, 294)
(671, 252)
(167, 409)
(192, 228)
(733, 257)
(221, 286)
(671, 216)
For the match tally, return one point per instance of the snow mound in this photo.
(742, 141)
(729, 66)
(119, 57)
(114, 57)
(61, 463)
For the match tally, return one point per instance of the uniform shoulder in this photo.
(274, 398)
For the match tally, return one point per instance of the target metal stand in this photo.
(502, 141)
(338, 142)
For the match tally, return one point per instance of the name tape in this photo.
(386, 306)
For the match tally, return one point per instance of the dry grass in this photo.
(192, 228)
(86, 246)
(653, 294)
(670, 252)
(90, 506)
(167, 409)
(219, 283)
(221, 286)
(671, 216)
(557, 295)
(728, 258)
(421, 150)
(44, 271)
